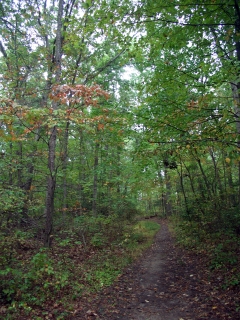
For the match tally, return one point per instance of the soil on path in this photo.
(166, 283)
(156, 297)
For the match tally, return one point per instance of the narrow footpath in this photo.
(166, 283)
(156, 297)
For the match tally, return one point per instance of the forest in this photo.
(111, 112)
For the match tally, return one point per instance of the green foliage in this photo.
(232, 280)
(132, 242)
(12, 203)
(218, 240)
(223, 255)
(150, 227)
(140, 236)
(30, 277)
(104, 273)
(97, 230)
(98, 240)
(33, 282)
(8, 250)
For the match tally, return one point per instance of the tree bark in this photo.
(65, 160)
(95, 180)
(168, 193)
(51, 180)
(236, 88)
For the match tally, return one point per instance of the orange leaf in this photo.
(100, 126)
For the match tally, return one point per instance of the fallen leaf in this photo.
(91, 313)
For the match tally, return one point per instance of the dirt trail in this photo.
(156, 299)
(146, 291)
(166, 283)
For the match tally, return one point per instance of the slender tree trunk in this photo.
(236, 98)
(193, 190)
(51, 180)
(65, 159)
(162, 199)
(19, 170)
(118, 170)
(81, 172)
(217, 183)
(231, 194)
(236, 87)
(51, 183)
(168, 193)
(95, 180)
(10, 166)
(205, 179)
(183, 189)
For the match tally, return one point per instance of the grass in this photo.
(142, 236)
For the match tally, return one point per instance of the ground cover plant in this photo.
(34, 278)
(217, 242)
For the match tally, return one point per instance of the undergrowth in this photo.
(218, 241)
(86, 256)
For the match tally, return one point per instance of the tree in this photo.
(187, 66)
(44, 46)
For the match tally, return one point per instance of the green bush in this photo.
(12, 203)
(34, 282)
(223, 256)
(98, 240)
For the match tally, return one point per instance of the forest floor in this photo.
(166, 283)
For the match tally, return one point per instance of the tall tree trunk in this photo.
(10, 166)
(95, 180)
(162, 198)
(236, 97)
(193, 190)
(81, 172)
(51, 180)
(168, 193)
(205, 179)
(51, 183)
(180, 173)
(118, 173)
(64, 160)
(231, 194)
(236, 87)
(20, 168)
(217, 183)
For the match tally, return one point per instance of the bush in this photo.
(12, 203)
(34, 282)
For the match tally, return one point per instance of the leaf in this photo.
(100, 126)
(91, 313)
